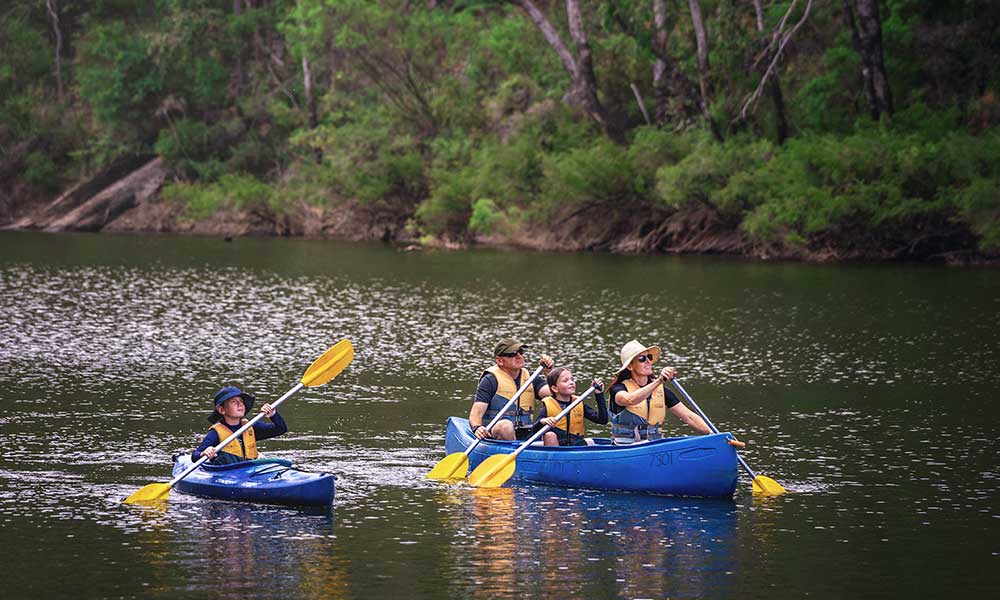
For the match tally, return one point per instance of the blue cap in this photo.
(230, 391)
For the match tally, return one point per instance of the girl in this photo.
(568, 431)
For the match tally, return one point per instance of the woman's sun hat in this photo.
(632, 349)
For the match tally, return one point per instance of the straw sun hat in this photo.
(632, 349)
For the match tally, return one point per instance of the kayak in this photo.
(267, 480)
(701, 465)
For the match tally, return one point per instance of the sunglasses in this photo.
(644, 357)
(511, 354)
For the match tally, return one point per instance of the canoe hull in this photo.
(704, 465)
(269, 481)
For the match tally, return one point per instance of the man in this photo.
(498, 384)
(231, 405)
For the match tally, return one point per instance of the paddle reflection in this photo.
(592, 544)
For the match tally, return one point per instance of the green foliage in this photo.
(704, 174)
(230, 192)
(485, 216)
(602, 173)
(364, 157)
(453, 112)
(41, 171)
(117, 76)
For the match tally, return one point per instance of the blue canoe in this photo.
(267, 480)
(702, 465)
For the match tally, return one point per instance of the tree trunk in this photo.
(311, 115)
(866, 32)
(53, 8)
(660, 91)
(780, 122)
(582, 93)
(237, 77)
(704, 84)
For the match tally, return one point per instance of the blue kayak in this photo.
(702, 465)
(267, 480)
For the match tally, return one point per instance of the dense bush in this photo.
(455, 115)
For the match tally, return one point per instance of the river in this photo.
(869, 391)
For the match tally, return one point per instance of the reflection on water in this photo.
(867, 390)
(589, 544)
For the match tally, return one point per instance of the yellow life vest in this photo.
(506, 388)
(234, 447)
(654, 409)
(575, 416)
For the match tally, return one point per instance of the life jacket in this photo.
(238, 452)
(640, 421)
(569, 426)
(521, 413)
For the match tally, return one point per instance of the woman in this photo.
(568, 431)
(639, 401)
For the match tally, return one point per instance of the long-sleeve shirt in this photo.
(261, 431)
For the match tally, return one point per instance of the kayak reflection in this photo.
(593, 544)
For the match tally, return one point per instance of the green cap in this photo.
(507, 346)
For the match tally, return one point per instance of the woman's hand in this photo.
(481, 432)
(546, 362)
(668, 373)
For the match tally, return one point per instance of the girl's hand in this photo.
(598, 384)
(209, 452)
(268, 410)
(549, 421)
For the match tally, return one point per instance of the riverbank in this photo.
(127, 198)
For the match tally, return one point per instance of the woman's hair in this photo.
(553, 376)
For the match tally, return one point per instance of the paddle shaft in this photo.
(503, 411)
(542, 431)
(711, 426)
(235, 434)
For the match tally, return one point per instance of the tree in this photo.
(866, 32)
(781, 124)
(582, 93)
(704, 81)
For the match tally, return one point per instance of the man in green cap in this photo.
(498, 384)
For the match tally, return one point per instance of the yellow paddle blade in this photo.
(767, 486)
(453, 466)
(329, 365)
(153, 492)
(494, 471)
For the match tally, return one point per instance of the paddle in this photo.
(459, 461)
(497, 469)
(761, 484)
(322, 370)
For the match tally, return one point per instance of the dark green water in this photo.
(870, 391)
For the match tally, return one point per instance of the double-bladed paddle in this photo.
(458, 462)
(497, 469)
(322, 370)
(761, 483)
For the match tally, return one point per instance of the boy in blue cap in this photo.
(231, 404)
